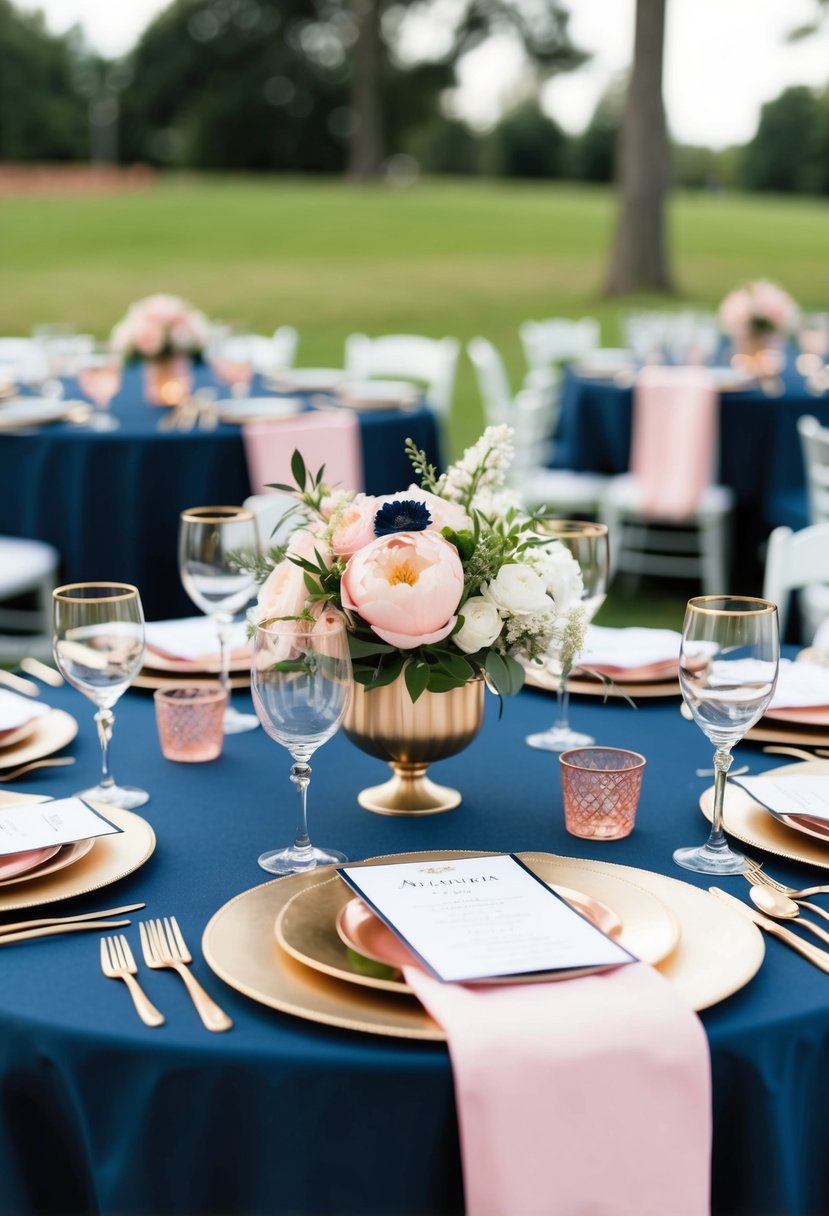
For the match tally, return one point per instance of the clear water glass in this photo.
(209, 542)
(99, 379)
(728, 664)
(98, 644)
(301, 684)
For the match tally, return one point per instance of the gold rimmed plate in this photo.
(111, 858)
(59, 858)
(592, 686)
(797, 837)
(718, 950)
(150, 680)
(51, 732)
(16, 734)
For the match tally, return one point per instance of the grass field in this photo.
(442, 257)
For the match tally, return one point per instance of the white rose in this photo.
(481, 625)
(562, 576)
(517, 588)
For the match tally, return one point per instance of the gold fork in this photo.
(756, 875)
(117, 963)
(164, 946)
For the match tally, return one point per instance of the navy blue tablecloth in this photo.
(110, 501)
(101, 1114)
(760, 456)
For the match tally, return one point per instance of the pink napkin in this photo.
(675, 419)
(325, 438)
(584, 1097)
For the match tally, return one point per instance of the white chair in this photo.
(557, 340)
(799, 561)
(431, 361)
(533, 415)
(27, 568)
(666, 517)
(273, 521)
(814, 442)
(283, 346)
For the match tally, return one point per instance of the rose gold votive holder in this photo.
(601, 788)
(190, 720)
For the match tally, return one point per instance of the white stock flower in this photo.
(517, 588)
(494, 504)
(484, 466)
(481, 625)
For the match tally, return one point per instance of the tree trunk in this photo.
(366, 154)
(639, 259)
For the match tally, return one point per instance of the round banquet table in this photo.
(110, 501)
(282, 1115)
(759, 451)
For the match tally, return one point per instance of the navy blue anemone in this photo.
(404, 515)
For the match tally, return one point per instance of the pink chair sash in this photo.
(675, 424)
(322, 438)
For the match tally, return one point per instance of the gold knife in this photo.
(18, 683)
(78, 926)
(814, 954)
(107, 914)
(34, 667)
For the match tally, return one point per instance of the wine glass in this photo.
(728, 664)
(99, 379)
(98, 644)
(230, 354)
(209, 542)
(301, 684)
(588, 543)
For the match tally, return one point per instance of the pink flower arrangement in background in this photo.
(159, 327)
(759, 309)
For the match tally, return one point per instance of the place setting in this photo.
(30, 731)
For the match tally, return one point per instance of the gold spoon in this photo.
(780, 907)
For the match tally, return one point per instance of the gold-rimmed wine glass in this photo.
(728, 665)
(98, 644)
(587, 541)
(301, 684)
(210, 540)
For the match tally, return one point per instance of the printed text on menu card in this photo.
(479, 918)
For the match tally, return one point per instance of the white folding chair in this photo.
(273, 522)
(28, 568)
(283, 346)
(431, 361)
(799, 561)
(814, 443)
(557, 340)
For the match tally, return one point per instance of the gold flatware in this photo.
(758, 874)
(80, 926)
(814, 954)
(117, 963)
(164, 946)
(12, 774)
(41, 671)
(799, 752)
(780, 907)
(18, 684)
(24, 925)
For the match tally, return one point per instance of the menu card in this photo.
(805, 795)
(62, 821)
(481, 918)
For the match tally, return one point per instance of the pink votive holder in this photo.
(190, 719)
(601, 787)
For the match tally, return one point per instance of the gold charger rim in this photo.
(587, 686)
(780, 732)
(150, 680)
(52, 732)
(113, 858)
(751, 823)
(353, 1007)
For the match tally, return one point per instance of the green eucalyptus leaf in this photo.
(298, 468)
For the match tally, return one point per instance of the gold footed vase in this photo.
(386, 724)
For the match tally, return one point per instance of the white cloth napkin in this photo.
(192, 638)
(800, 685)
(630, 647)
(16, 710)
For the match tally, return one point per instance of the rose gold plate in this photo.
(19, 863)
(647, 674)
(159, 660)
(16, 733)
(59, 858)
(808, 715)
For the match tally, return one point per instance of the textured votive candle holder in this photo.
(601, 787)
(190, 720)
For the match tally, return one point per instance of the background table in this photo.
(110, 501)
(759, 455)
(282, 1115)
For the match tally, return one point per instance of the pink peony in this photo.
(284, 594)
(407, 587)
(355, 529)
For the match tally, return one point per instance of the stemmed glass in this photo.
(99, 379)
(728, 664)
(209, 542)
(98, 644)
(230, 354)
(588, 543)
(301, 684)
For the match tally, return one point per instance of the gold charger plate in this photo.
(306, 928)
(778, 732)
(718, 952)
(591, 687)
(751, 823)
(154, 679)
(111, 858)
(52, 732)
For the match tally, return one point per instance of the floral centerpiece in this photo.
(757, 314)
(441, 582)
(165, 333)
